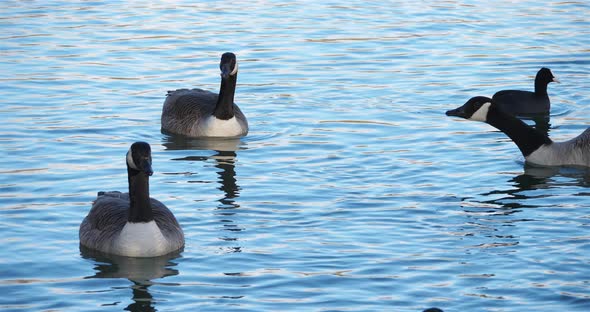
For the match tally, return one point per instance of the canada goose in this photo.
(536, 146)
(526, 103)
(200, 113)
(132, 224)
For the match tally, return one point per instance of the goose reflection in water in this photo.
(540, 122)
(539, 177)
(140, 271)
(225, 158)
(510, 200)
(490, 219)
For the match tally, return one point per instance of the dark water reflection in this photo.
(543, 177)
(179, 142)
(225, 158)
(524, 187)
(141, 271)
(538, 177)
(542, 123)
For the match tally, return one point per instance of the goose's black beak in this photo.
(146, 166)
(225, 70)
(457, 112)
(149, 171)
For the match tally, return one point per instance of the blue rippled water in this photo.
(352, 192)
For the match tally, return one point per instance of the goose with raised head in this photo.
(132, 224)
(200, 113)
(536, 146)
(527, 103)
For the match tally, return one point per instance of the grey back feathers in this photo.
(105, 220)
(201, 113)
(575, 151)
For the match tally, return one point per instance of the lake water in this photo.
(353, 190)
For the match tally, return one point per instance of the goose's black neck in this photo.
(527, 138)
(224, 109)
(140, 208)
(541, 87)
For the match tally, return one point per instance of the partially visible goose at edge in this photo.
(200, 113)
(527, 103)
(132, 224)
(536, 146)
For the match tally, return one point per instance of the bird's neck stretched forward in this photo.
(140, 208)
(224, 109)
(527, 138)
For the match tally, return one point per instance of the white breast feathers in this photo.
(215, 127)
(142, 239)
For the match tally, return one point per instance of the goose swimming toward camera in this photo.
(526, 103)
(132, 224)
(536, 146)
(200, 113)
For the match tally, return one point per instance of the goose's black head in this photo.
(139, 158)
(228, 65)
(475, 109)
(545, 76)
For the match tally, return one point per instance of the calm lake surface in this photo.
(353, 190)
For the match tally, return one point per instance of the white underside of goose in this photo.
(215, 127)
(142, 239)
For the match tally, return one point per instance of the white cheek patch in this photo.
(233, 72)
(482, 113)
(130, 161)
